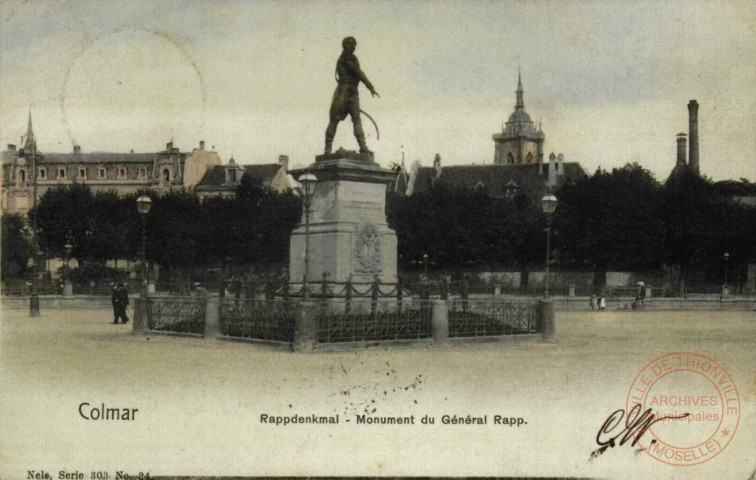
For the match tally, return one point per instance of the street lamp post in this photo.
(548, 204)
(67, 285)
(309, 182)
(425, 263)
(144, 204)
(727, 261)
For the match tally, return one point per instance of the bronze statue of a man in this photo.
(346, 99)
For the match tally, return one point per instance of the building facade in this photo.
(29, 173)
(222, 180)
(518, 167)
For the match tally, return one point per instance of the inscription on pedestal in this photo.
(362, 199)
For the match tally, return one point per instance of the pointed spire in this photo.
(519, 79)
(520, 91)
(30, 143)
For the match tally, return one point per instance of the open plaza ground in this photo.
(200, 402)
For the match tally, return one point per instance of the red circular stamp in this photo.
(695, 406)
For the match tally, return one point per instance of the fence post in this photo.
(34, 301)
(546, 324)
(465, 293)
(374, 297)
(305, 327)
(67, 288)
(440, 322)
(399, 294)
(140, 316)
(212, 317)
(348, 296)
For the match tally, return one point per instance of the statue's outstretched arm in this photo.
(354, 66)
(367, 83)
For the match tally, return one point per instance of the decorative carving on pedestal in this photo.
(367, 252)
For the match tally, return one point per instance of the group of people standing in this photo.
(598, 302)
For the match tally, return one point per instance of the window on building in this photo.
(166, 175)
(101, 172)
(62, 173)
(42, 173)
(121, 172)
(22, 176)
(82, 173)
(510, 158)
(142, 172)
(232, 175)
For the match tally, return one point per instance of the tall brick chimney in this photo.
(693, 134)
(681, 156)
(283, 160)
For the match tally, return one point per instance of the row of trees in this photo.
(627, 220)
(181, 230)
(623, 219)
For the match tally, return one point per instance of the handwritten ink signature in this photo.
(636, 426)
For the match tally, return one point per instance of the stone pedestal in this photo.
(546, 324)
(349, 234)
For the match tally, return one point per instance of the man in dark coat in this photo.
(346, 99)
(120, 301)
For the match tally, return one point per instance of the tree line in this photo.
(182, 231)
(622, 219)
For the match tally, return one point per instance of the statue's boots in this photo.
(363, 145)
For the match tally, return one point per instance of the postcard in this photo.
(377, 239)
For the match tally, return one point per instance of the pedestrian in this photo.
(120, 302)
(593, 302)
(602, 302)
(113, 288)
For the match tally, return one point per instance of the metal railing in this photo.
(407, 321)
(486, 318)
(257, 319)
(176, 314)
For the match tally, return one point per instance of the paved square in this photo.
(199, 401)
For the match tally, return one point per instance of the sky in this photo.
(610, 80)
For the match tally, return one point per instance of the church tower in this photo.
(519, 142)
(30, 142)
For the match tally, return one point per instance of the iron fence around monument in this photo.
(176, 314)
(257, 319)
(342, 322)
(489, 318)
